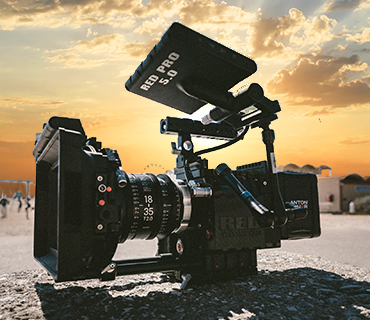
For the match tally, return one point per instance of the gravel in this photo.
(288, 286)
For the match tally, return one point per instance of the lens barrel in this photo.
(153, 207)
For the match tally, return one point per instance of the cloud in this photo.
(360, 38)
(207, 14)
(89, 119)
(73, 60)
(121, 13)
(322, 83)
(54, 14)
(279, 38)
(366, 80)
(360, 139)
(333, 5)
(75, 13)
(219, 21)
(152, 26)
(110, 43)
(100, 50)
(13, 102)
(289, 35)
(320, 112)
(138, 50)
(164, 8)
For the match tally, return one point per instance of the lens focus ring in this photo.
(153, 206)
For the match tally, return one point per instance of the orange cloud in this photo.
(320, 112)
(121, 13)
(73, 60)
(356, 140)
(102, 44)
(207, 14)
(322, 83)
(289, 35)
(89, 119)
(27, 102)
(152, 26)
(106, 48)
(54, 14)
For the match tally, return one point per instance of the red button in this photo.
(208, 234)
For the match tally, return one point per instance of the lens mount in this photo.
(186, 201)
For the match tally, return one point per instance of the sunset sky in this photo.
(72, 58)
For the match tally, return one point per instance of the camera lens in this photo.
(154, 207)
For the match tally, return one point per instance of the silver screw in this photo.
(102, 188)
(100, 227)
(122, 183)
(187, 145)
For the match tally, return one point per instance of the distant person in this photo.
(18, 195)
(27, 207)
(3, 202)
(352, 207)
(19, 205)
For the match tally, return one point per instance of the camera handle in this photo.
(268, 138)
(283, 212)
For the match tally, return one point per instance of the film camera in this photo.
(208, 222)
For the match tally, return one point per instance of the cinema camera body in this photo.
(209, 222)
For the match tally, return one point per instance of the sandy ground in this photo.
(16, 240)
(344, 239)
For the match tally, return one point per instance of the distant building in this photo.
(307, 168)
(335, 193)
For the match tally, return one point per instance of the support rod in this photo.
(161, 263)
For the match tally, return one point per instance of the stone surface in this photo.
(288, 286)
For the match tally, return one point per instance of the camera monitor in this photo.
(184, 58)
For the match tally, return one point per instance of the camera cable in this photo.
(229, 143)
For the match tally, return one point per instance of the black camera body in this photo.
(223, 235)
(209, 222)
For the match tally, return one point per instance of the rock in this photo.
(325, 292)
(352, 288)
(292, 286)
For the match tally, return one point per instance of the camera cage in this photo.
(179, 72)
